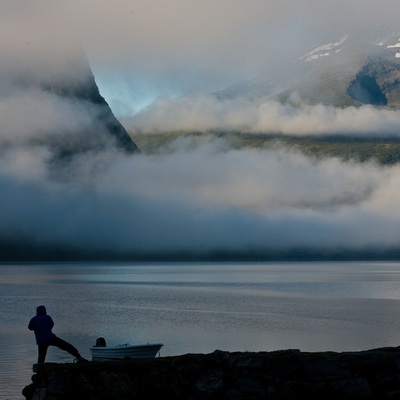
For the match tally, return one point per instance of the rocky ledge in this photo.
(286, 374)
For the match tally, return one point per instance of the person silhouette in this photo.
(42, 325)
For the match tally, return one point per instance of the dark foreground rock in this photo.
(287, 374)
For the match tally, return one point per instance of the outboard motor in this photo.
(100, 342)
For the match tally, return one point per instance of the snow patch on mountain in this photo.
(395, 46)
(324, 51)
(331, 48)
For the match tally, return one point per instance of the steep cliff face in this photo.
(79, 87)
(104, 121)
(51, 99)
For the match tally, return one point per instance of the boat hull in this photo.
(149, 350)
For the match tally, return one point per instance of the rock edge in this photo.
(285, 374)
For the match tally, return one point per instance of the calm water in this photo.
(197, 308)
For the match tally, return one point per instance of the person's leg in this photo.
(42, 351)
(63, 345)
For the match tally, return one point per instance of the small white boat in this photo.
(103, 352)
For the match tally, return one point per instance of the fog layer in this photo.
(194, 199)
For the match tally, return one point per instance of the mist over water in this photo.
(199, 200)
(192, 199)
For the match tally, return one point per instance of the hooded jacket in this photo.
(42, 325)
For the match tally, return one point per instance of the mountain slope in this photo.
(85, 91)
(52, 99)
(349, 71)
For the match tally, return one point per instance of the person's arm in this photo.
(31, 325)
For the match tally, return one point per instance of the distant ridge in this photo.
(346, 71)
(28, 250)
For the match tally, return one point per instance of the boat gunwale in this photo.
(119, 352)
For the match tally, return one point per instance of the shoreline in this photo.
(282, 374)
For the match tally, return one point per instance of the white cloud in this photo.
(34, 113)
(202, 112)
(203, 200)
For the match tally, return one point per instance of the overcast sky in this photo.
(144, 49)
(168, 55)
(141, 49)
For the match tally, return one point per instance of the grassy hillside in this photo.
(385, 151)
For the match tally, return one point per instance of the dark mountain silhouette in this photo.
(61, 72)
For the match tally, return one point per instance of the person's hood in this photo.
(41, 310)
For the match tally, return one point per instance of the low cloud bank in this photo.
(192, 200)
(204, 113)
(199, 201)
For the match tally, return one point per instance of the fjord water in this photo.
(197, 308)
